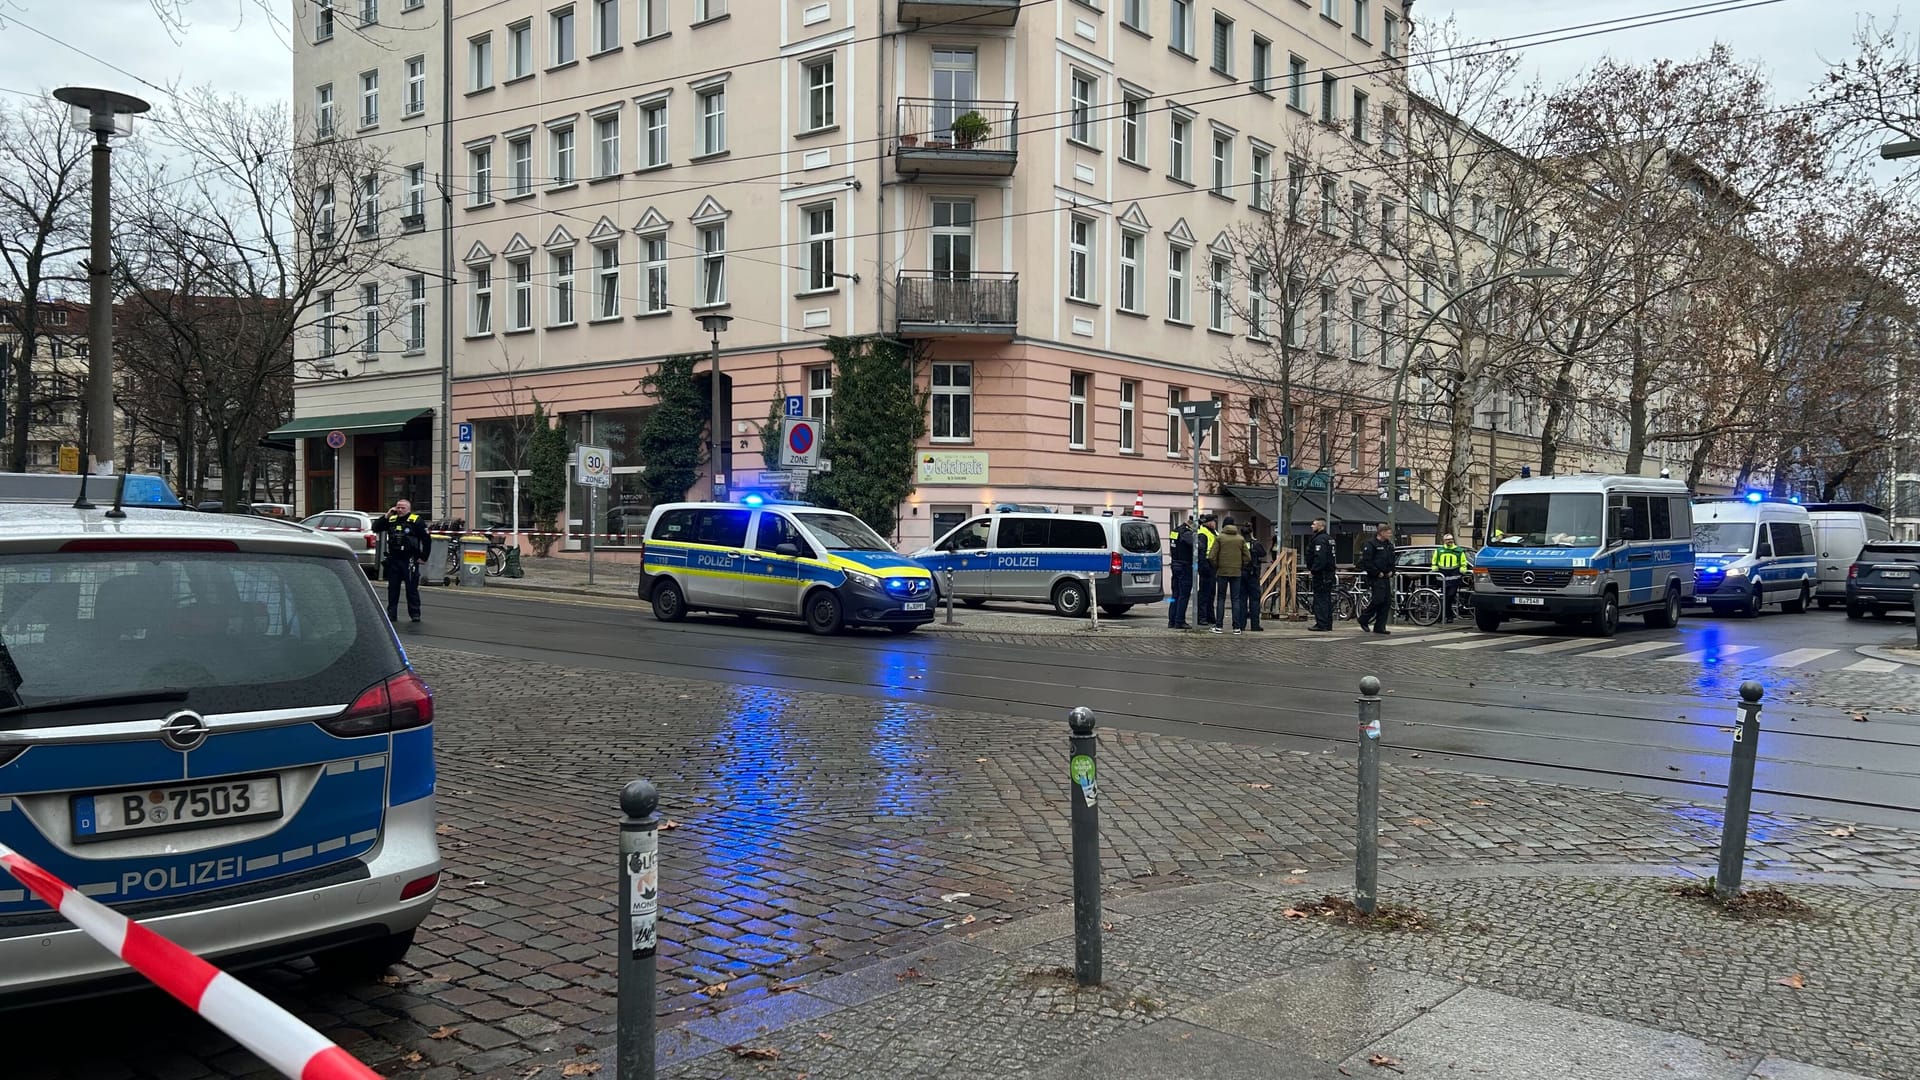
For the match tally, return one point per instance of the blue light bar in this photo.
(1754, 496)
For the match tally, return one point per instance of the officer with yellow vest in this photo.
(1207, 616)
(1450, 562)
(407, 544)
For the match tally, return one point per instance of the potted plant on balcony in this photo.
(969, 127)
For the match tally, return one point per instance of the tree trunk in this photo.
(1557, 404)
(22, 402)
(1697, 467)
(1637, 412)
(1454, 487)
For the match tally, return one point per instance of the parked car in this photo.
(209, 724)
(279, 510)
(1048, 558)
(215, 506)
(1882, 577)
(1840, 530)
(354, 529)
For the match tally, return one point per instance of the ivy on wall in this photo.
(877, 419)
(670, 442)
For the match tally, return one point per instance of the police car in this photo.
(760, 557)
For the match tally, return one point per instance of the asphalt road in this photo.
(1480, 711)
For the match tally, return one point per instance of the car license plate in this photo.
(184, 806)
(914, 605)
(1145, 579)
(1893, 573)
(1530, 601)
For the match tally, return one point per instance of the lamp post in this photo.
(105, 113)
(1905, 148)
(716, 325)
(1524, 273)
(1493, 418)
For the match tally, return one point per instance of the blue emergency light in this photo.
(1754, 496)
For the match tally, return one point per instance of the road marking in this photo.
(1557, 645)
(1481, 643)
(1634, 649)
(1708, 656)
(1796, 657)
(1876, 666)
(1403, 637)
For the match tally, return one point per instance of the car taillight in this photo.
(1853, 571)
(371, 541)
(1114, 566)
(420, 886)
(392, 705)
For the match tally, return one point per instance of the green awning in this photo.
(364, 423)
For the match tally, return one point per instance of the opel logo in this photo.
(1526, 578)
(184, 731)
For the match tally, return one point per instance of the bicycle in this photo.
(1421, 605)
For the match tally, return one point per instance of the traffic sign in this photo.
(336, 439)
(800, 445)
(594, 466)
(1285, 463)
(464, 460)
(796, 407)
(466, 433)
(1204, 412)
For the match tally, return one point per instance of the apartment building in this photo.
(370, 83)
(55, 395)
(1040, 197)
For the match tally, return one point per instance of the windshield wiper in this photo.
(88, 701)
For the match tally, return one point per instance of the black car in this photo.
(1882, 578)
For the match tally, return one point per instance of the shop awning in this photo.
(363, 423)
(1350, 511)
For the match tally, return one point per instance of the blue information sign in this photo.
(1285, 463)
(796, 406)
(466, 433)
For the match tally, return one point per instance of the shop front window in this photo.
(620, 512)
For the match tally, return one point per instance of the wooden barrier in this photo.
(1280, 582)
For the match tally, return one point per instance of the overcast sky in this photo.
(236, 47)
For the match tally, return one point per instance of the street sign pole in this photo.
(591, 491)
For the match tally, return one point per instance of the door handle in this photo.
(755, 558)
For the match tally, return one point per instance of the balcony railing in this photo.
(966, 13)
(935, 303)
(966, 138)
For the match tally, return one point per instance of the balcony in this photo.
(940, 137)
(929, 303)
(964, 13)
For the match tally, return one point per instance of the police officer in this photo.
(1321, 566)
(1377, 562)
(1207, 616)
(407, 545)
(1450, 562)
(1250, 579)
(1181, 552)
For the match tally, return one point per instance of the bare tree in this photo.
(1872, 95)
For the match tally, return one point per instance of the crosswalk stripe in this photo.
(1708, 656)
(1796, 657)
(1560, 645)
(1634, 649)
(1876, 666)
(1476, 643)
(1401, 637)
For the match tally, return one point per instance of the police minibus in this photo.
(1048, 558)
(1751, 551)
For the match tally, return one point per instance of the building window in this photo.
(1133, 13)
(653, 18)
(1257, 304)
(1293, 314)
(1356, 434)
(1359, 116)
(708, 9)
(560, 265)
(1131, 246)
(520, 164)
(655, 118)
(1133, 129)
(1079, 386)
(480, 62)
(1389, 223)
(1222, 44)
(323, 200)
(606, 281)
(1297, 83)
(1080, 258)
(1329, 205)
(323, 111)
(370, 322)
(606, 25)
(1213, 429)
(1180, 26)
(416, 312)
(1362, 19)
(820, 393)
(713, 265)
(327, 344)
(1387, 315)
(480, 167)
(560, 29)
(1390, 131)
(952, 239)
(1177, 256)
(820, 247)
(1180, 148)
(820, 110)
(561, 140)
(1262, 64)
(1219, 280)
(415, 101)
(1357, 226)
(1083, 99)
(520, 277)
(1331, 9)
(1390, 37)
(1259, 178)
(370, 204)
(952, 401)
(480, 300)
(1175, 424)
(713, 120)
(519, 50)
(369, 12)
(1357, 329)
(1326, 319)
(369, 98)
(323, 25)
(1255, 406)
(1222, 163)
(606, 145)
(1329, 99)
(1129, 415)
(655, 249)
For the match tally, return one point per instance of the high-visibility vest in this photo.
(1449, 557)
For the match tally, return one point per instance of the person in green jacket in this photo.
(1229, 558)
(1450, 562)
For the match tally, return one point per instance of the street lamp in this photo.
(1524, 273)
(716, 325)
(1905, 148)
(105, 113)
(1493, 418)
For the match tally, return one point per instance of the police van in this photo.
(1048, 559)
(760, 557)
(1585, 548)
(1753, 551)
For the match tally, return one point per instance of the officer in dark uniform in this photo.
(1207, 538)
(1377, 563)
(1321, 565)
(1250, 579)
(1181, 554)
(407, 543)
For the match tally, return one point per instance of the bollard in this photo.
(1086, 848)
(949, 572)
(1093, 604)
(1366, 848)
(1733, 836)
(639, 912)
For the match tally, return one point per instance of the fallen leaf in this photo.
(580, 1068)
(948, 898)
(1479, 802)
(1294, 913)
(1261, 787)
(755, 1053)
(1296, 871)
(715, 990)
(669, 825)
(969, 919)
(980, 761)
(910, 973)
(443, 1032)
(1382, 1061)
(1859, 718)
(1843, 831)
(1797, 981)
(411, 1059)
(782, 988)
(1420, 821)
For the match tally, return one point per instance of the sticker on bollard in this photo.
(642, 851)
(1083, 775)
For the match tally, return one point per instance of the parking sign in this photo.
(796, 407)
(466, 433)
(1286, 464)
(800, 445)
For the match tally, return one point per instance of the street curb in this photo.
(1878, 652)
(556, 590)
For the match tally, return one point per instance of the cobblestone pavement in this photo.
(815, 835)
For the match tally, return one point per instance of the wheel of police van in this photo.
(973, 601)
(669, 604)
(1754, 602)
(1607, 622)
(823, 612)
(1798, 605)
(1668, 616)
(1070, 599)
(1487, 621)
(1116, 610)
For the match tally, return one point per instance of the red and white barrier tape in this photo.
(297, 1051)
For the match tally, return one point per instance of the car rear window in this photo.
(237, 631)
(1139, 537)
(1890, 553)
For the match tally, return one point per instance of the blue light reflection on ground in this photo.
(1704, 823)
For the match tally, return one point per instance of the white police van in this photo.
(1045, 558)
(1752, 551)
(1585, 548)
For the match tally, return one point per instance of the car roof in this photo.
(45, 527)
(770, 504)
(1737, 510)
(1585, 482)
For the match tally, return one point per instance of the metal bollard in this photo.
(639, 911)
(949, 572)
(1733, 836)
(1366, 848)
(1093, 604)
(1086, 848)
